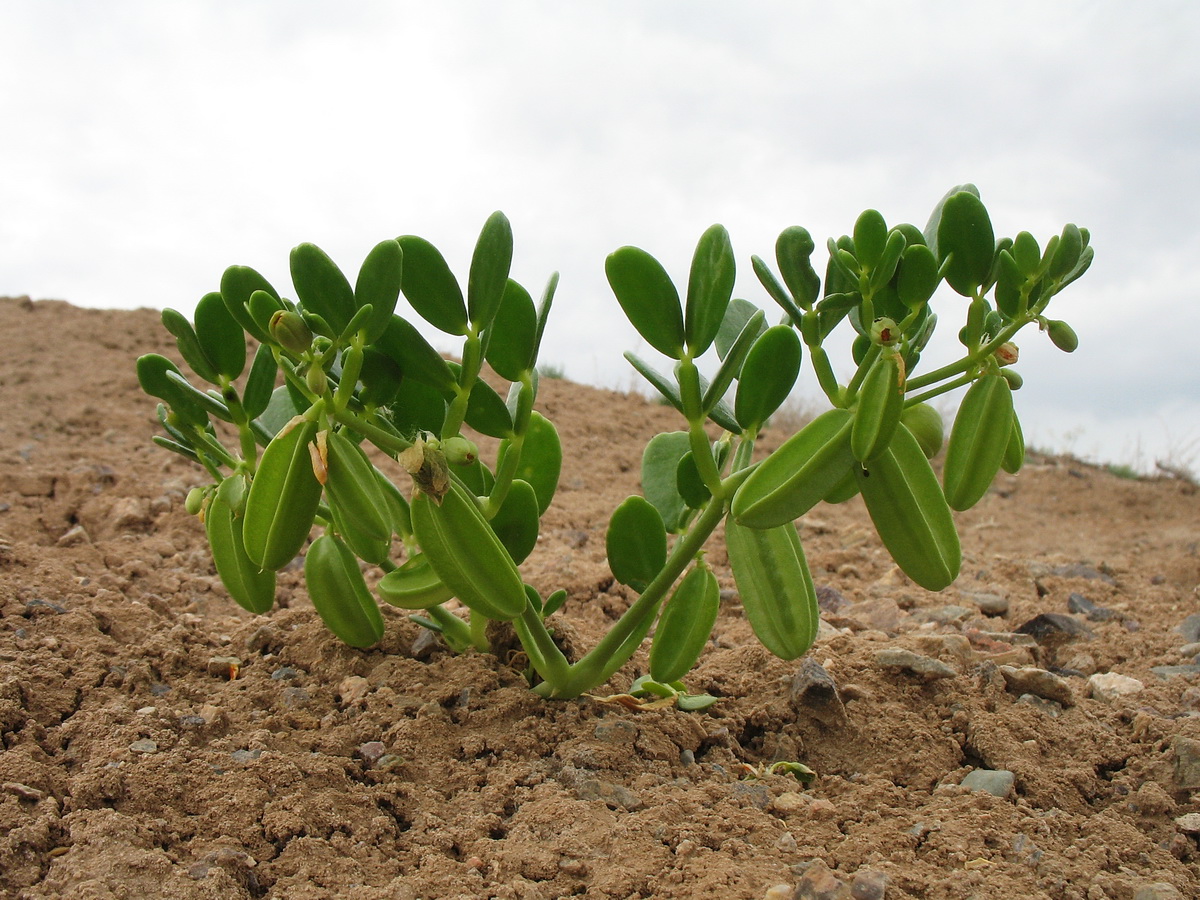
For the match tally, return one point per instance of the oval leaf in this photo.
(430, 287)
(511, 344)
(378, 284)
(321, 286)
(636, 543)
(768, 375)
(220, 336)
(489, 270)
(710, 285)
(648, 297)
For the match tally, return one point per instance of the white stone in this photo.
(1109, 686)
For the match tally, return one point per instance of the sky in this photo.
(147, 146)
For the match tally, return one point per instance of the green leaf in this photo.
(152, 372)
(734, 359)
(487, 412)
(793, 253)
(321, 286)
(430, 287)
(710, 285)
(516, 522)
(690, 485)
(237, 284)
(768, 376)
(965, 237)
(418, 407)
(649, 299)
(737, 314)
(930, 233)
(378, 285)
(417, 359)
(918, 276)
(1070, 246)
(660, 484)
(189, 345)
(513, 334)
(720, 413)
(260, 383)
(262, 307)
(490, 265)
(220, 336)
(636, 543)
(541, 458)
(870, 235)
(777, 291)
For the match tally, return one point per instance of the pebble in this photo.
(144, 746)
(616, 731)
(779, 892)
(1110, 686)
(1048, 707)
(353, 688)
(1188, 651)
(1168, 672)
(943, 615)
(1187, 762)
(1055, 629)
(1160, 890)
(1188, 824)
(790, 802)
(1190, 628)
(997, 782)
(612, 795)
(1031, 680)
(988, 604)
(285, 673)
(869, 884)
(245, 755)
(371, 752)
(819, 883)
(914, 663)
(22, 791)
(226, 667)
(814, 692)
(1077, 603)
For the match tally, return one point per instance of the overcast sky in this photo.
(145, 146)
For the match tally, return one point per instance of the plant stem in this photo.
(615, 648)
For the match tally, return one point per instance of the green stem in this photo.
(544, 655)
(479, 640)
(825, 377)
(861, 372)
(615, 648)
(939, 390)
(387, 441)
(472, 359)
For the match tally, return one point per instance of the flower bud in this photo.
(195, 500)
(316, 379)
(885, 331)
(290, 330)
(1062, 335)
(1007, 353)
(459, 451)
(1013, 377)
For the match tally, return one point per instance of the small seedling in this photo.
(336, 367)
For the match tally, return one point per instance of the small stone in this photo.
(822, 809)
(830, 599)
(1190, 651)
(1080, 570)
(37, 606)
(371, 752)
(789, 803)
(1190, 628)
(295, 696)
(819, 883)
(1055, 629)
(615, 731)
(1187, 762)
(1031, 680)
(988, 604)
(285, 673)
(1110, 686)
(1047, 707)
(612, 795)
(353, 688)
(263, 637)
(914, 663)
(787, 843)
(226, 667)
(869, 884)
(73, 537)
(997, 782)
(22, 791)
(881, 614)
(245, 755)
(1077, 603)
(144, 746)
(779, 892)
(814, 692)
(752, 794)
(1189, 824)
(425, 644)
(1160, 890)
(1190, 699)
(943, 615)
(1168, 672)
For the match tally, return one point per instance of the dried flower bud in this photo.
(1007, 353)
(426, 463)
(290, 330)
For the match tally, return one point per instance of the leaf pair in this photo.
(651, 301)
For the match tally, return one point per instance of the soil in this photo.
(158, 741)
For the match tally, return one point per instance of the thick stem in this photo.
(615, 648)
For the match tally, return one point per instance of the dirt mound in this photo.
(157, 741)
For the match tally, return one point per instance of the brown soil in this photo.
(137, 762)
